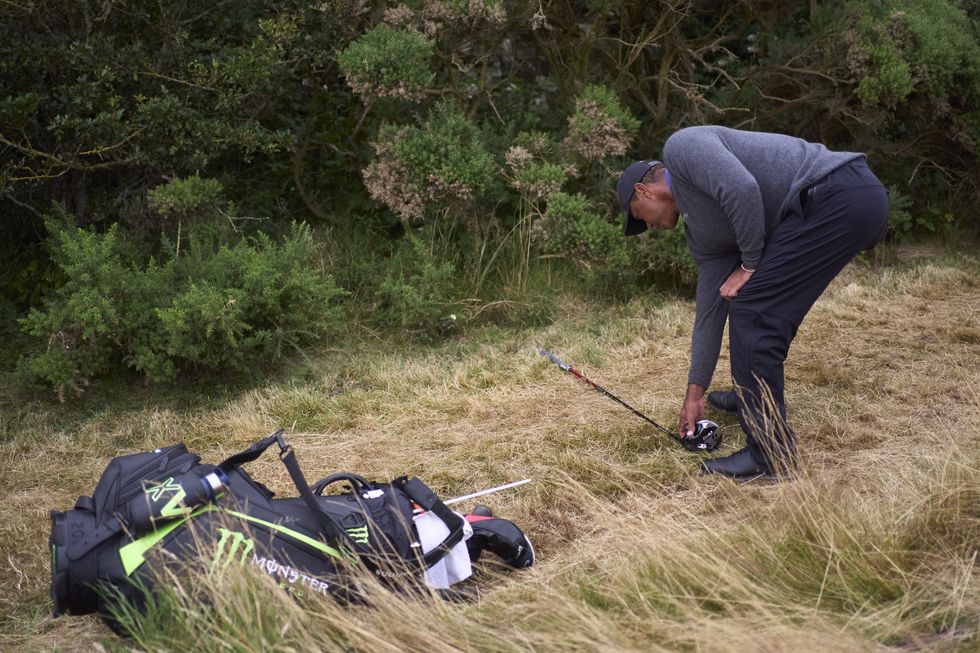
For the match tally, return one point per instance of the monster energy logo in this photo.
(359, 534)
(228, 547)
(133, 555)
(157, 491)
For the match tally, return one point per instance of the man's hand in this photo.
(692, 411)
(734, 282)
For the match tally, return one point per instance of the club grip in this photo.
(554, 359)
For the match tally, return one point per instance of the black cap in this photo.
(625, 189)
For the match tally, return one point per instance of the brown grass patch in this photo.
(882, 382)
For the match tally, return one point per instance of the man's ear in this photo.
(642, 189)
(657, 191)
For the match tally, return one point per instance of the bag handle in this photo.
(252, 453)
(413, 487)
(336, 536)
(358, 483)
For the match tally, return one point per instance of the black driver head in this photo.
(707, 437)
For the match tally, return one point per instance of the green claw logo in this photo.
(228, 546)
(359, 535)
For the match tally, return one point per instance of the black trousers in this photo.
(832, 222)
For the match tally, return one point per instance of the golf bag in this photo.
(164, 507)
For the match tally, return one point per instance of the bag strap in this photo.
(420, 493)
(252, 453)
(335, 535)
(414, 488)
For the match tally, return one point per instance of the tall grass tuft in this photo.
(809, 566)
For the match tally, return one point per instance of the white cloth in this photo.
(455, 566)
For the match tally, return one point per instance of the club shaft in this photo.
(578, 375)
(630, 408)
(481, 493)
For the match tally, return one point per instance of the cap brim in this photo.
(634, 226)
(625, 187)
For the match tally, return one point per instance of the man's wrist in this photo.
(745, 269)
(695, 391)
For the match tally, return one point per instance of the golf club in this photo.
(706, 437)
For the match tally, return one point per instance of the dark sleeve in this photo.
(711, 312)
(701, 158)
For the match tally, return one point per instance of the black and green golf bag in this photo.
(164, 507)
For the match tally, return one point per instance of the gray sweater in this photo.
(733, 187)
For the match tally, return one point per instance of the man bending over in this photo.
(770, 220)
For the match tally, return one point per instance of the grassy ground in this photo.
(873, 548)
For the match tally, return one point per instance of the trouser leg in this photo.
(759, 345)
(847, 213)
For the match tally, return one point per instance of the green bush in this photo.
(387, 62)
(600, 126)
(81, 327)
(538, 180)
(419, 294)
(184, 197)
(891, 81)
(257, 104)
(906, 223)
(207, 311)
(532, 170)
(664, 257)
(452, 21)
(943, 46)
(911, 46)
(571, 229)
(441, 165)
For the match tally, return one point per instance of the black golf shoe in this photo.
(724, 402)
(739, 465)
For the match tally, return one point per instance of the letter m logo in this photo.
(231, 545)
(359, 535)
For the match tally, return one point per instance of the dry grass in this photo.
(873, 547)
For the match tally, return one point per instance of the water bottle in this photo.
(171, 499)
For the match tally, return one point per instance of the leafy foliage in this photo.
(80, 328)
(207, 311)
(537, 180)
(600, 126)
(906, 223)
(910, 45)
(184, 197)
(388, 62)
(897, 79)
(441, 164)
(891, 81)
(570, 228)
(482, 117)
(664, 256)
(419, 294)
(534, 167)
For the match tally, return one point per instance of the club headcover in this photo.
(502, 537)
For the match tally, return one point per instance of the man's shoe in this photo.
(724, 402)
(740, 464)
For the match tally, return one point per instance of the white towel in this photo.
(455, 566)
